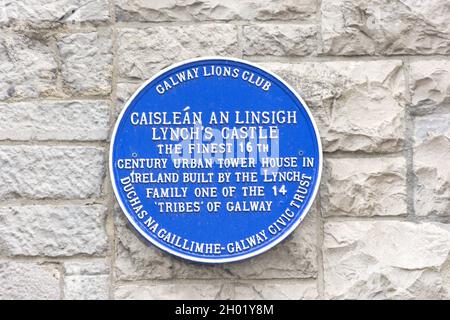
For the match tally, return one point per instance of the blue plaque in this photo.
(215, 160)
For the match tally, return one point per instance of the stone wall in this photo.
(376, 75)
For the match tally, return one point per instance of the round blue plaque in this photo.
(215, 160)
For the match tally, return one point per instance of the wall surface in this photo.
(376, 75)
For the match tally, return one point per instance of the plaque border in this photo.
(213, 260)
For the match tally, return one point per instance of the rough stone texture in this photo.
(169, 291)
(40, 172)
(387, 27)
(28, 280)
(54, 120)
(86, 280)
(190, 10)
(93, 267)
(430, 86)
(45, 230)
(375, 74)
(364, 187)
(143, 52)
(86, 63)
(296, 258)
(124, 92)
(431, 165)
(219, 290)
(48, 13)
(273, 290)
(386, 260)
(358, 106)
(27, 67)
(136, 259)
(280, 40)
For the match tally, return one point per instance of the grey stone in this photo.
(89, 267)
(296, 257)
(43, 13)
(40, 172)
(430, 86)
(86, 63)
(360, 27)
(273, 290)
(169, 291)
(386, 260)
(431, 165)
(143, 52)
(54, 120)
(52, 230)
(364, 187)
(29, 281)
(86, 280)
(280, 40)
(124, 92)
(136, 259)
(256, 290)
(358, 106)
(27, 66)
(203, 10)
(67, 70)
